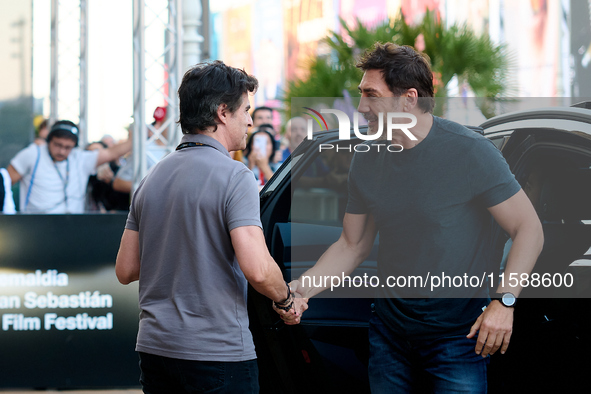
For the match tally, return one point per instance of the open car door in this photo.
(549, 151)
(302, 211)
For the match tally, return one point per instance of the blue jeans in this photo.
(443, 365)
(163, 375)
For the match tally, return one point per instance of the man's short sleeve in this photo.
(355, 203)
(131, 223)
(490, 178)
(134, 215)
(89, 160)
(24, 161)
(242, 201)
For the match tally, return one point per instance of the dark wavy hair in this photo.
(205, 87)
(403, 68)
(251, 139)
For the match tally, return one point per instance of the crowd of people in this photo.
(54, 175)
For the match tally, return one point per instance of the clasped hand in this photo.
(300, 304)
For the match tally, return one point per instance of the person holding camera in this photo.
(260, 151)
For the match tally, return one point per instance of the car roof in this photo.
(563, 118)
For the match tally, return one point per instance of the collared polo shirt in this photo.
(192, 292)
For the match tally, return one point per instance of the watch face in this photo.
(508, 299)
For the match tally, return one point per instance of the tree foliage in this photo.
(454, 51)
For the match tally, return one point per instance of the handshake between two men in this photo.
(291, 309)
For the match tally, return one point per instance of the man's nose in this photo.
(363, 106)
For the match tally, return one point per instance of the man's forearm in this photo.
(270, 282)
(527, 245)
(120, 185)
(121, 149)
(14, 175)
(339, 259)
(114, 152)
(519, 219)
(259, 268)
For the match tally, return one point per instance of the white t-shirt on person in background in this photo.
(58, 187)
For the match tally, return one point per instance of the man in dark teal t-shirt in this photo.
(433, 218)
(431, 201)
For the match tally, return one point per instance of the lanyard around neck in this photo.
(66, 180)
(191, 145)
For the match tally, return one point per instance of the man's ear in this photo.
(411, 99)
(223, 113)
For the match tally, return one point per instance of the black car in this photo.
(302, 207)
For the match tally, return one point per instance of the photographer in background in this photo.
(260, 151)
(53, 177)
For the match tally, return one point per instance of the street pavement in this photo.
(75, 392)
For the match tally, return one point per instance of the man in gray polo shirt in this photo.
(193, 238)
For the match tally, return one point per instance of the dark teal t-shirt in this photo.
(430, 207)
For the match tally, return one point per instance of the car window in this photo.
(319, 190)
(558, 184)
(278, 179)
(499, 138)
(498, 141)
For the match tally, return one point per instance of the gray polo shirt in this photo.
(192, 293)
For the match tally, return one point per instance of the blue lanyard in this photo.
(66, 181)
(32, 178)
